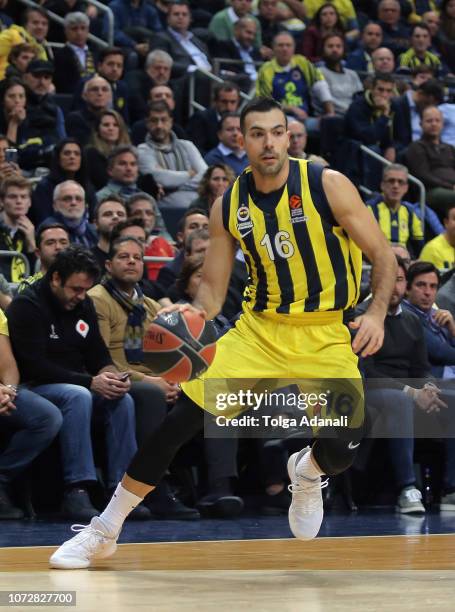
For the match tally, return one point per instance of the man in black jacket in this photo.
(61, 355)
(403, 356)
(202, 127)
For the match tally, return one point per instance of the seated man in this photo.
(441, 250)
(143, 206)
(50, 240)
(402, 356)
(292, 80)
(135, 23)
(74, 61)
(175, 164)
(202, 126)
(62, 357)
(395, 32)
(223, 23)
(123, 313)
(433, 161)
(70, 210)
(193, 219)
(97, 96)
(109, 212)
(396, 219)
(343, 83)
(297, 143)
(157, 93)
(370, 40)
(17, 232)
(383, 61)
(230, 149)
(419, 52)
(32, 420)
(369, 118)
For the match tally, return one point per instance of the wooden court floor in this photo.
(386, 573)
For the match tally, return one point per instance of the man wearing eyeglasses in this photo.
(397, 219)
(71, 211)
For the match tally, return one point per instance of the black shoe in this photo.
(276, 505)
(140, 513)
(171, 508)
(77, 506)
(8, 510)
(220, 506)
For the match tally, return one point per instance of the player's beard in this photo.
(271, 170)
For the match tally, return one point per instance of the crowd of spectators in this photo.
(112, 154)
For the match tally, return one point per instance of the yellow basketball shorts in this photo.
(265, 352)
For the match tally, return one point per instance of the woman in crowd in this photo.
(68, 163)
(215, 181)
(109, 132)
(326, 21)
(13, 119)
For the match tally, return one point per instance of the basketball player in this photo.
(302, 229)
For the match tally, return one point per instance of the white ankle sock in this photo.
(115, 513)
(306, 467)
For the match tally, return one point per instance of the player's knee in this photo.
(335, 455)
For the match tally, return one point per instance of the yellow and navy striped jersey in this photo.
(399, 226)
(290, 86)
(410, 60)
(299, 259)
(28, 282)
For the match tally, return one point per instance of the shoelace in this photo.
(88, 537)
(413, 495)
(308, 487)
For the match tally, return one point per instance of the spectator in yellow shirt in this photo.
(441, 250)
(33, 32)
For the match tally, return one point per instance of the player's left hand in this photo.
(370, 334)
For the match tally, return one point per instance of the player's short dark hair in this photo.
(73, 260)
(385, 77)
(110, 198)
(117, 243)
(420, 267)
(44, 228)
(260, 105)
(132, 222)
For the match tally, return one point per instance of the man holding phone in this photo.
(62, 357)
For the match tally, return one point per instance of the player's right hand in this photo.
(370, 334)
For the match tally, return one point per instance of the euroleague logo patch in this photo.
(295, 201)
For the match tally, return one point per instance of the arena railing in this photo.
(412, 179)
(192, 89)
(156, 259)
(11, 254)
(94, 39)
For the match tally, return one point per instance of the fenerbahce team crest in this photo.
(244, 223)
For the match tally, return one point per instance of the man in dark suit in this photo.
(202, 127)
(408, 109)
(97, 95)
(186, 49)
(75, 61)
(240, 47)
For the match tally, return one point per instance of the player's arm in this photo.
(353, 216)
(217, 268)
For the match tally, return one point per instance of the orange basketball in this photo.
(179, 346)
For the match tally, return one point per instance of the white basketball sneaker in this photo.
(306, 510)
(90, 543)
